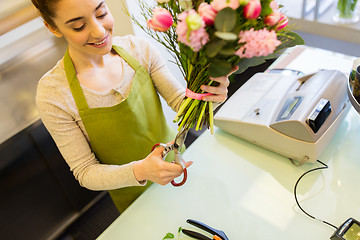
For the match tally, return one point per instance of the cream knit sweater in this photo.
(60, 116)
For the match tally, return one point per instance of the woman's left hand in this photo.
(219, 92)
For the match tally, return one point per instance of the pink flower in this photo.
(274, 6)
(207, 13)
(257, 43)
(195, 39)
(276, 18)
(272, 19)
(283, 22)
(220, 4)
(161, 20)
(252, 10)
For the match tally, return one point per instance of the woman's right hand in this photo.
(155, 169)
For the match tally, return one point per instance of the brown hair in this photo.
(46, 9)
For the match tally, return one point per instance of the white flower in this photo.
(194, 21)
(356, 63)
(186, 4)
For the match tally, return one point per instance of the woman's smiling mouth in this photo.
(101, 43)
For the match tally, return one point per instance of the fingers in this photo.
(155, 169)
(188, 164)
(219, 92)
(157, 150)
(172, 171)
(175, 169)
(234, 69)
(171, 178)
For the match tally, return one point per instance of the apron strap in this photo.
(74, 83)
(127, 57)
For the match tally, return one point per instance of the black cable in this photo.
(297, 202)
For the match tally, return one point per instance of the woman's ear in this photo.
(55, 31)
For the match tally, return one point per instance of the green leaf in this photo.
(352, 75)
(227, 51)
(290, 39)
(245, 63)
(225, 20)
(213, 48)
(266, 11)
(228, 36)
(265, 8)
(297, 40)
(219, 68)
(271, 56)
(353, 5)
(169, 236)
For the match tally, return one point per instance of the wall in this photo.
(123, 24)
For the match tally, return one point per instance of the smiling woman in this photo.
(101, 105)
(101, 159)
(82, 103)
(88, 30)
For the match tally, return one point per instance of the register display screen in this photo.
(353, 232)
(289, 108)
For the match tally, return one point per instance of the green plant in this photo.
(172, 236)
(346, 8)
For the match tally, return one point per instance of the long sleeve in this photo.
(164, 81)
(73, 143)
(59, 114)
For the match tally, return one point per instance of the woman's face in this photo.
(87, 25)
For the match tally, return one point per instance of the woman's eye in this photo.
(79, 28)
(102, 15)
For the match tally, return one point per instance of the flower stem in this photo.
(188, 112)
(201, 116)
(183, 106)
(211, 117)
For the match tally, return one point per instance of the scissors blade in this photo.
(179, 141)
(195, 234)
(180, 138)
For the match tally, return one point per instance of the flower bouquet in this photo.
(207, 38)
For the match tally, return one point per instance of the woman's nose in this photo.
(97, 29)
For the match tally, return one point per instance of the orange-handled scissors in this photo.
(176, 146)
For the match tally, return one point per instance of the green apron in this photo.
(125, 132)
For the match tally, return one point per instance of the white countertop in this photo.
(248, 191)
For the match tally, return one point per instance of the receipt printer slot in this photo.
(319, 115)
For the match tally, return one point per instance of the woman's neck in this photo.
(100, 73)
(84, 62)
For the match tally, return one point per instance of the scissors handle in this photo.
(182, 182)
(167, 149)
